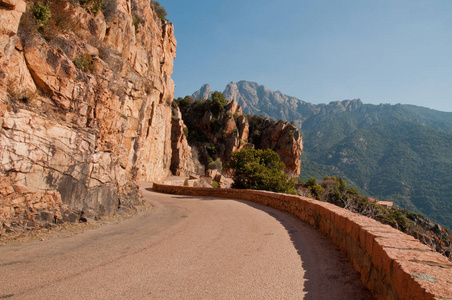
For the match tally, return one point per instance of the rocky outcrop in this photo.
(10, 14)
(184, 159)
(285, 139)
(85, 109)
(217, 134)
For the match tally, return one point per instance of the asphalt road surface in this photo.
(184, 248)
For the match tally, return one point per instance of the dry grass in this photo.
(18, 94)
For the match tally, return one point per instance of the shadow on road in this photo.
(328, 272)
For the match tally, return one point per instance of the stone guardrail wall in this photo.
(393, 265)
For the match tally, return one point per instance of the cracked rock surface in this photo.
(85, 110)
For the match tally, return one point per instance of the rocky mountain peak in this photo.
(258, 99)
(232, 91)
(204, 92)
(345, 105)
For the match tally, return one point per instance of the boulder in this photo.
(212, 173)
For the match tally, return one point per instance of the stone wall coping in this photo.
(392, 264)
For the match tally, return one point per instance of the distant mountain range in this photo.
(400, 153)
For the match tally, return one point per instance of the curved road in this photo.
(184, 248)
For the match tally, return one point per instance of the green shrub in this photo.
(260, 170)
(48, 18)
(257, 125)
(161, 11)
(215, 184)
(217, 103)
(216, 164)
(136, 21)
(316, 189)
(185, 130)
(184, 102)
(41, 12)
(396, 218)
(311, 182)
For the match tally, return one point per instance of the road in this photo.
(184, 248)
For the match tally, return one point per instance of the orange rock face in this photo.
(285, 139)
(85, 108)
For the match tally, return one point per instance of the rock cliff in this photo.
(85, 108)
(217, 127)
(282, 137)
(184, 159)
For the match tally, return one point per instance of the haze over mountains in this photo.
(400, 153)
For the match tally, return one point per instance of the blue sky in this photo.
(381, 51)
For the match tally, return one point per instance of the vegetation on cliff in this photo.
(217, 127)
(161, 11)
(206, 122)
(336, 191)
(51, 17)
(84, 108)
